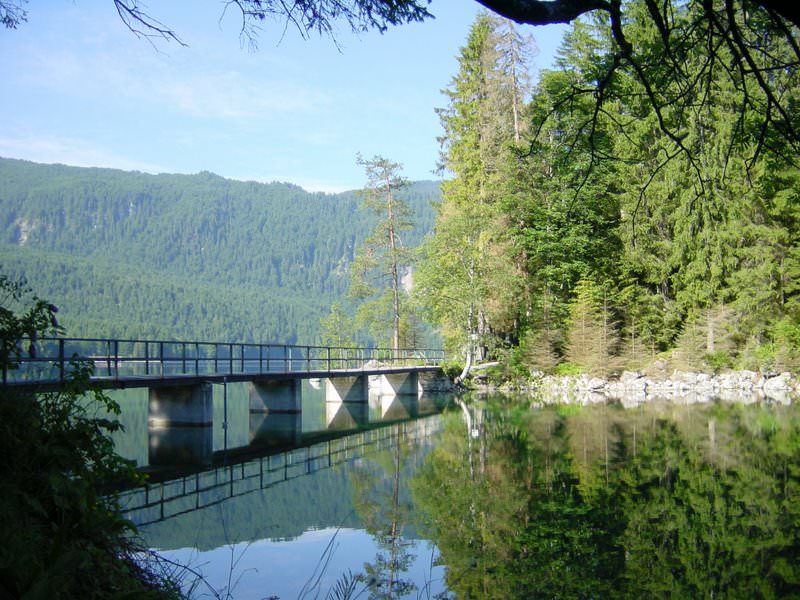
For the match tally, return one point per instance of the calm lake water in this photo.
(494, 499)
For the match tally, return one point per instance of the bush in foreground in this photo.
(62, 538)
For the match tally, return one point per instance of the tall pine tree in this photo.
(468, 278)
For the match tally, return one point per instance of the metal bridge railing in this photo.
(48, 360)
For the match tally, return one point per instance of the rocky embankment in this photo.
(436, 383)
(634, 388)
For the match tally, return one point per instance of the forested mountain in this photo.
(183, 256)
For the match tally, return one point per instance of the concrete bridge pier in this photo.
(393, 396)
(275, 428)
(275, 412)
(345, 402)
(180, 420)
(275, 396)
(395, 384)
(391, 407)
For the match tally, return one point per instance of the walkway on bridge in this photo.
(121, 363)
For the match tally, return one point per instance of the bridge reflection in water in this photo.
(205, 442)
(188, 426)
(231, 477)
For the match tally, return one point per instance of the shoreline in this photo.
(632, 388)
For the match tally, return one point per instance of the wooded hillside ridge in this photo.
(195, 257)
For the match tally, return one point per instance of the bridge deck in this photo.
(170, 380)
(142, 363)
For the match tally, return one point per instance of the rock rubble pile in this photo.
(633, 388)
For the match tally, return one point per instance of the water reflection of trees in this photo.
(605, 502)
(382, 501)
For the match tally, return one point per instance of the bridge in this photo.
(180, 380)
(121, 363)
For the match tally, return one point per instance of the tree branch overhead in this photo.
(542, 12)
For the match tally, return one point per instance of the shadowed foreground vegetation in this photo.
(62, 538)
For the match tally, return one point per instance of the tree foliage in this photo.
(470, 274)
(683, 213)
(321, 16)
(13, 13)
(591, 335)
(184, 256)
(752, 46)
(384, 260)
(574, 502)
(63, 537)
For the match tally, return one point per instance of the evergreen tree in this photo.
(336, 332)
(684, 225)
(591, 336)
(378, 269)
(563, 210)
(469, 276)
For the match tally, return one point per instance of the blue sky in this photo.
(78, 88)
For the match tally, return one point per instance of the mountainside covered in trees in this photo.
(128, 254)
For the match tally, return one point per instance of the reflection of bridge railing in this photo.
(160, 501)
(46, 360)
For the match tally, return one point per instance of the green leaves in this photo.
(23, 318)
(66, 538)
(470, 277)
(643, 173)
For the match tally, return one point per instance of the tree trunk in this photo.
(470, 345)
(395, 273)
(710, 334)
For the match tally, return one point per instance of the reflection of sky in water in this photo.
(265, 568)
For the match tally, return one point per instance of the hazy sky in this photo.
(78, 88)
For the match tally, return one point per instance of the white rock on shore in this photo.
(633, 388)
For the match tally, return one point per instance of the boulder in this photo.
(628, 376)
(596, 384)
(779, 383)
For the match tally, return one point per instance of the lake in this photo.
(496, 498)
